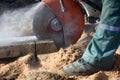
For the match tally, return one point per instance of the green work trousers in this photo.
(100, 51)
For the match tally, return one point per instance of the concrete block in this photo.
(17, 49)
(23, 45)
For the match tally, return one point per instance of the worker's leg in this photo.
(102, 47)
(100, 51)
(106, 40)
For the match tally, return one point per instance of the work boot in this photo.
(81, 67)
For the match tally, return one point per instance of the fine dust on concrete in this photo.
(17, 22)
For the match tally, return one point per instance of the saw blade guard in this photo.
(64, 27)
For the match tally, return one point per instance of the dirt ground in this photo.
(48, 66)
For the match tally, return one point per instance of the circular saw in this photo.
(59, 20)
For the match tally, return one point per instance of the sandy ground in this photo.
(48, 66)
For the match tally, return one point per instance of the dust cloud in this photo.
(16, 23)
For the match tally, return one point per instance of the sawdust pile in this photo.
(48, 67)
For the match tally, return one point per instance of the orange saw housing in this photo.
(72, 18)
